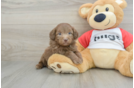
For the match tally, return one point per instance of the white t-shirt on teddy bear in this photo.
(107, 39)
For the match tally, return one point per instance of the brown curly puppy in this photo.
(62, 41)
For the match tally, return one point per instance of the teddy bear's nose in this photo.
(100, 17)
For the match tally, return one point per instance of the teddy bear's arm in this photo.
(130, 47)
(84, 40)
(79, 46)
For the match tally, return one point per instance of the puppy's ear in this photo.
(75, 33)
(52, 34)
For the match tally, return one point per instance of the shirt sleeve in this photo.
(126, 37)
(85, 38)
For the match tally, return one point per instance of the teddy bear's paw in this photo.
(131, 66)
(64, 68)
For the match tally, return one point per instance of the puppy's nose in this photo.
(100, 17)
(65, 40)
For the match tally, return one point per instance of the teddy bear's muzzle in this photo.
(102, 20)
(100, 17)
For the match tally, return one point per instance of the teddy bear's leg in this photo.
(63, 64)
(124, 63)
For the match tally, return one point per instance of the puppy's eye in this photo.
(59, 34)
(69, 33)
(107, 9)
(96, 10)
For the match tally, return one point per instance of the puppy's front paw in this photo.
(78, 61)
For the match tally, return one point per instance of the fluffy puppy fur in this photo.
(62, 41)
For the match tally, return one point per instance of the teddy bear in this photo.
(105, 46)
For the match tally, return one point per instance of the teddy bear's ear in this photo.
(84, 9)
(121, 3)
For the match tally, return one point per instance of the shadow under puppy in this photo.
(62, 41)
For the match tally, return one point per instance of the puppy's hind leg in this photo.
(44, 58)
(39, 65)
(42, 63)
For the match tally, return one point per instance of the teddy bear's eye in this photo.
(107, 9)
(96, 10)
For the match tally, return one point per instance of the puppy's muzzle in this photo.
(65, 40)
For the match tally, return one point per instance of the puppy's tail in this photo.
(39, 65)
